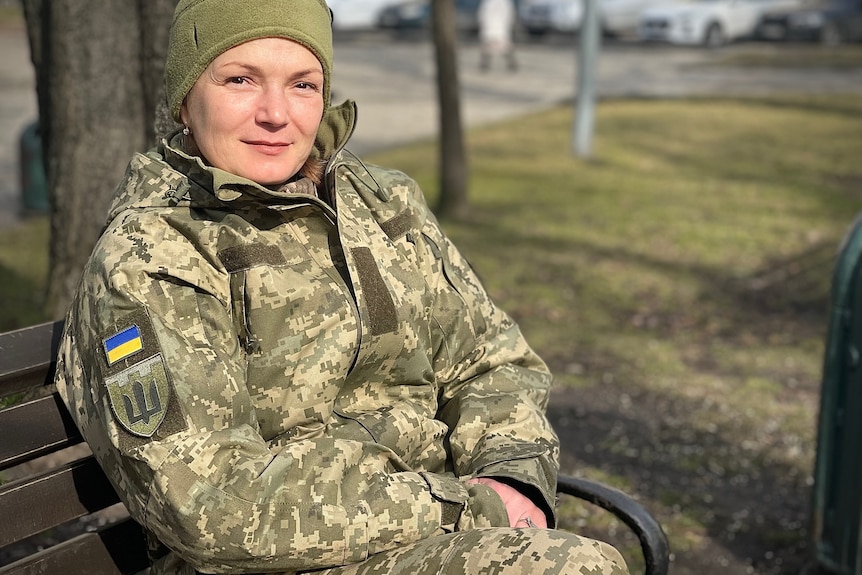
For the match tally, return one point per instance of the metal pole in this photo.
(585, 96)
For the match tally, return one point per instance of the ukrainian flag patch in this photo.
(123, 344)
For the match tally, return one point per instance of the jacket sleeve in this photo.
(204, 481)
(494, 387)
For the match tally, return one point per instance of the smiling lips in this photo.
(268, 148)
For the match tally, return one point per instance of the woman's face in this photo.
(255, 110)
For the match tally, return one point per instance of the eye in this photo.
(306, 85)
(237, 80)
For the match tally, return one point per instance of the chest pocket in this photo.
(237, 260)
(457, 278)
(296, 325)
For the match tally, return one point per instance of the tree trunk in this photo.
(156, 16)
(453, 157)
(98, 76)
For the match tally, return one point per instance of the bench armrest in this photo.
(654, 545)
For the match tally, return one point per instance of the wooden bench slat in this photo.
(27, 357)
(28, 381)
(53, 498)
(30, 430)
(118, 549)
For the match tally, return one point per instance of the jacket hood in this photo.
(166, 176)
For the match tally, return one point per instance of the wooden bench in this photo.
(47, 505)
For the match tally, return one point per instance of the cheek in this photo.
(219, 115)
(309, 117)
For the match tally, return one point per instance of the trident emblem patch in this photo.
(139, 396)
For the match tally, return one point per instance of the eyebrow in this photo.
(251, 68)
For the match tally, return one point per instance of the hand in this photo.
(522, 512)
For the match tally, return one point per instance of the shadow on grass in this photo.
(741, 478)
(751, 505)
(793, 288)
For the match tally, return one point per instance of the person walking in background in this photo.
(496, 23)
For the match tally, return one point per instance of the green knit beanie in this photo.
(204, 29)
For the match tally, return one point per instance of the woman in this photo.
(279, 359)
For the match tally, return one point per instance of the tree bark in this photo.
(453, 200)
(156, 16)
(98, 65)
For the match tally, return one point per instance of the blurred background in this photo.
(706, 22)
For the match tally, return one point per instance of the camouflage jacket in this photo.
(274, 383)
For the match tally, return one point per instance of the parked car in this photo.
(830, 23)
(707, 22)
(621, 17)
(357, 14)
(538, 17)
(413, 14)
(616, 17)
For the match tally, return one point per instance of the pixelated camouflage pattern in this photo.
(333, 379)
(495, 551)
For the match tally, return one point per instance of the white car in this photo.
(357, 14)
(707, 22)
(621, 17)
(616, 17)
(538, 17)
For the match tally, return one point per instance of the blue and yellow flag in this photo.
(123, 344)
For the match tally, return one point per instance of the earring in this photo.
(186, 131)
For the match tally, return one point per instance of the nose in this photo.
(273, 107)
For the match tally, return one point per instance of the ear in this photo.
(184, 114)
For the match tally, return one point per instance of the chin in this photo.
(269, 182)
(277, 174)
(270, 178)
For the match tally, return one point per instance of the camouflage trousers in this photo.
(494, 551)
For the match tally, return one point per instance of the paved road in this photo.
(392, 81)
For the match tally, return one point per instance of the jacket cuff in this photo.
(486, 507)
(451, 494)
(535, 478)
(465, 506)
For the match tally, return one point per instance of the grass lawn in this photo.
(802, 55)
(677, 284)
